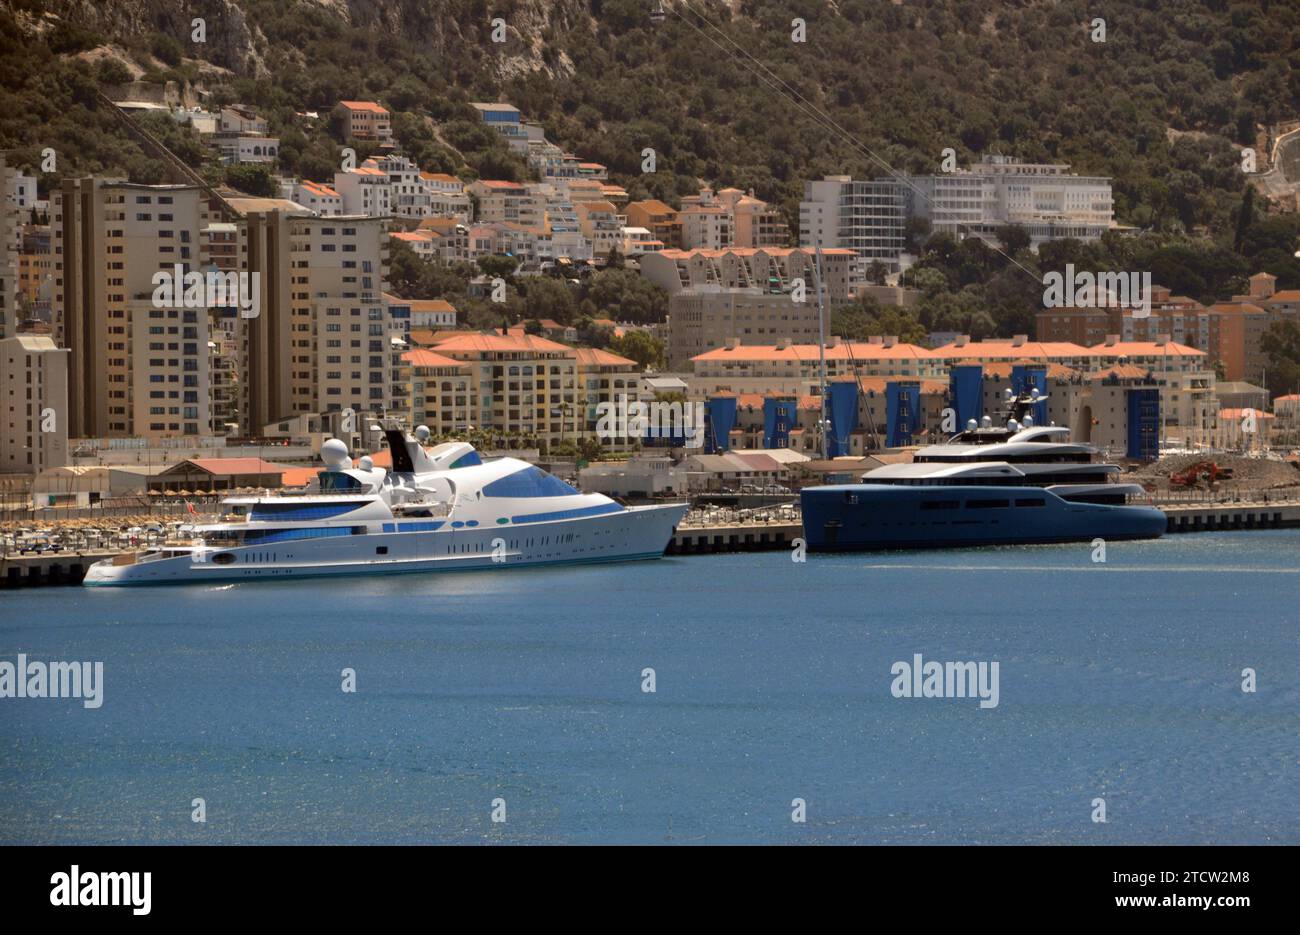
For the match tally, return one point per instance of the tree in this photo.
(112, 71)
(1014, 238)
(641, 346)
(496, 265)
(625, 295)
(548, 298)
(1281, 342)
(1245, 217)
(255, 180)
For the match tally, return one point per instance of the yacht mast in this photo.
(824, 425)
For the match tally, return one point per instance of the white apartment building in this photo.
(867, 216)
(319, 199)
(366, 191)
(447, 197)
(601, 224)
(244, 150)
(706, 223)
(507, 201)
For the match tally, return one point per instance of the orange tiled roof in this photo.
(1007, 350)
(752, 251)
(420, 357)
(364, 105)
(493, 343)
(1146, 349)
(1122, 371)
(593, 357)
(316, 188)
(845, 350)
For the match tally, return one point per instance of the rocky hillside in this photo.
(720, 90)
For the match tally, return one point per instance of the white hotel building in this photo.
(1044, 198)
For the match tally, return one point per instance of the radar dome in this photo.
(1013, 425)
(986, 422)
(1029, 422)
(972, 425)
(366, 463)
(334, 451)
(422, 432)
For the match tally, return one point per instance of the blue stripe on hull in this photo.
(880, 516)
(378, 568)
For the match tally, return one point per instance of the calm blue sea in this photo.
(1119, 681)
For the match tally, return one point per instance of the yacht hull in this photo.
(853, 517)
(634, 534)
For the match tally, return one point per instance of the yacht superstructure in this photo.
(438, 509)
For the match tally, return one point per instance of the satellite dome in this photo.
(1029, 422)
(972, 425)
(422, 432)
(1010, 392)
(986, 422)
(366, 463)
(334, 451)
(1013, 425)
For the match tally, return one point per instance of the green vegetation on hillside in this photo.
(1163, 106)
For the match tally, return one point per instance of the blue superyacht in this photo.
(1016, 484)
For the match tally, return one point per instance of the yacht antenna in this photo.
(821, 347)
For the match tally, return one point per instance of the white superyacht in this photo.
(439, 509)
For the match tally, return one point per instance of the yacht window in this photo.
(940, 504)
(528, 482)
(987, 504)
(1035, 501)
(302, 511)
(337, 480)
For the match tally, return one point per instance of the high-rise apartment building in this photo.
(325, 340)
(33, 404)
(10, 227)
(138, 365)
(868, 217)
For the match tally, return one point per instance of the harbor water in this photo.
(524, 695)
